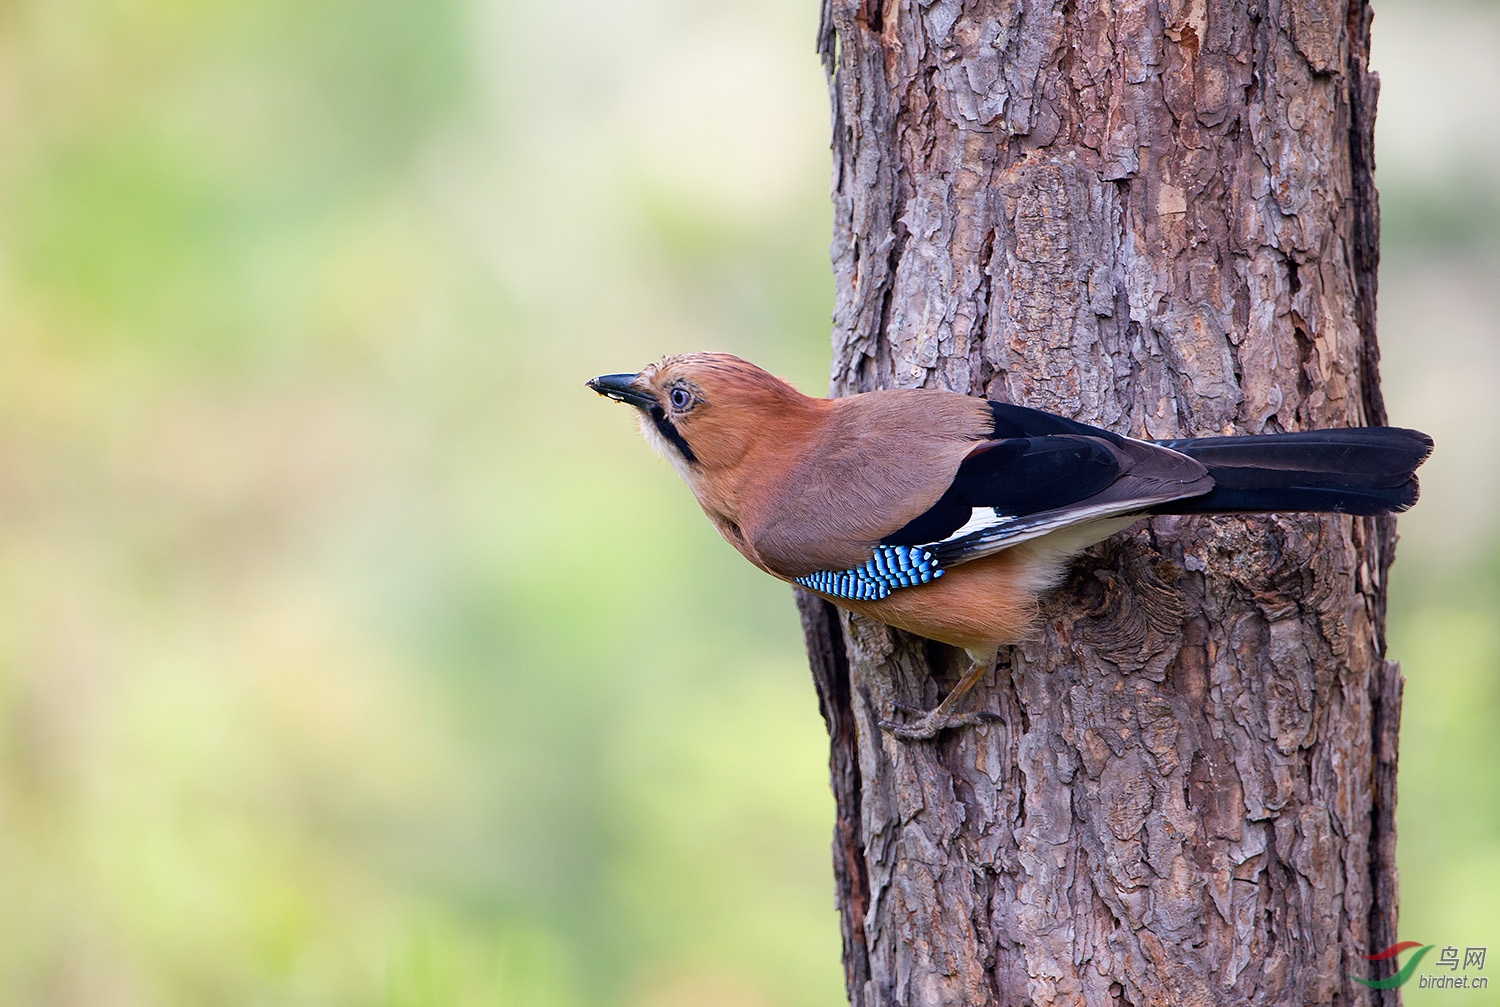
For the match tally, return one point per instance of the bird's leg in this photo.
(942, 717)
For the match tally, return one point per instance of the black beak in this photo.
(621, 388)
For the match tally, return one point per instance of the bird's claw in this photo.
(932, 724)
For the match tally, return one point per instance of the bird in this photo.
(949, 515)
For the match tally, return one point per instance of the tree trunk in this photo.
(1158, 217)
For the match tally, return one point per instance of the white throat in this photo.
(665, 448)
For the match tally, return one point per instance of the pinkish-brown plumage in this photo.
(799, 484)
(790, 480)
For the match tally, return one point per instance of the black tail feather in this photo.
(1361, 470)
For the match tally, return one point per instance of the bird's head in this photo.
(705, 411)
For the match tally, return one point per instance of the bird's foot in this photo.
(932, 724)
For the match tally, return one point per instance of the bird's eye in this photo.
(681, 398)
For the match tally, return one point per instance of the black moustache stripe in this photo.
(666, 429)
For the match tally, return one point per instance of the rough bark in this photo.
(1157, 216)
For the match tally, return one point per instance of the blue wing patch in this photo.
(892, 567)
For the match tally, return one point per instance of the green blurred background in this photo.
(351, 652)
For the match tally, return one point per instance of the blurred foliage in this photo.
(350, 651)
(1440, 341)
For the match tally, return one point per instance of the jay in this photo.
(949, 516)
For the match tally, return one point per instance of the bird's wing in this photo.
(966, 482)
(1015, 489)
(1019, 488)
(1019, 421)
